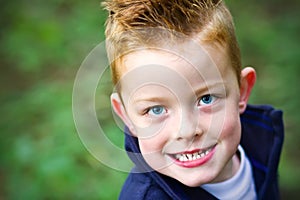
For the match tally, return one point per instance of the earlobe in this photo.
(248, 78)
(120, 110)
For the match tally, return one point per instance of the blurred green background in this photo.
(43, 44)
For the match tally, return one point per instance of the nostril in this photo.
(198, 132)
(179, 138)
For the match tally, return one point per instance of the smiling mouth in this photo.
(192, 155)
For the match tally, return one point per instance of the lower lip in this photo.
(198, 162)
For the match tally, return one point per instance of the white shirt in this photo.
(240, 186)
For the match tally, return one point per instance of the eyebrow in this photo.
(150, 99)
(209, 87)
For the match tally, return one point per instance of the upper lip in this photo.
(195, 150)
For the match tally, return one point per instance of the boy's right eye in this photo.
(157, 110)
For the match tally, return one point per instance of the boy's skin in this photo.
(184, 99)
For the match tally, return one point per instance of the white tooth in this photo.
(181, 158)
(187, 157)
(191, 157)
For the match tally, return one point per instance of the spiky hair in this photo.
(130, 22)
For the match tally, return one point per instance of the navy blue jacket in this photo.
(262, 139)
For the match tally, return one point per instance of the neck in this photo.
(230, 169)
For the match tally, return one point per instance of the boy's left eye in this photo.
(206, 100)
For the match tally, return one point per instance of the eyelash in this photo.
(149, 110)
(212, 100)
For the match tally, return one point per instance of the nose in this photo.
(189, 125)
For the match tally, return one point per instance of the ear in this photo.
(120, 110)
(248, 78)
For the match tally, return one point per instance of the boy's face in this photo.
(184, 107)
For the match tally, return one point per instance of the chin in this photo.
(194, 181)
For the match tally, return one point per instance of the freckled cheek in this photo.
(231, 130)
(141, 123)
(137, 119)
(150, 146)
(152, 150)
(147, 127)
(155, 143)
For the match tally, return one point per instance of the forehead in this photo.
(188, 60)
(187, 53)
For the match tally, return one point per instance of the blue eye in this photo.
(206, 99)
(157, 110)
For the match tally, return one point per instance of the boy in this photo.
(182, 95)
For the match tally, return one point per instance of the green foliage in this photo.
(42, 156)
(42, 46)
